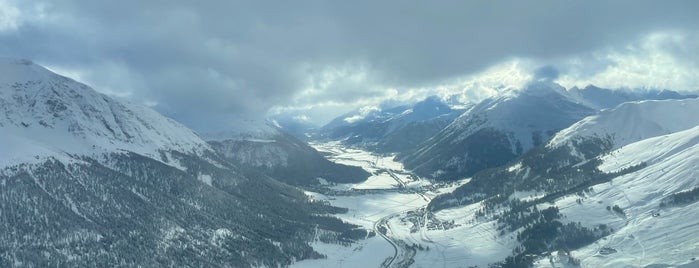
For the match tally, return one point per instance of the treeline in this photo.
(131, 210)
(681, 198)
(546, 234)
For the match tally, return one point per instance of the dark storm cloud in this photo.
(206, 61)
(547, 72)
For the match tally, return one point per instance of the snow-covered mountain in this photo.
(391, 130)
(89, 181)
(621, 191)
(495, 131)
(601, 98)
(655, 227)
(499, 129)
(45, 114)
(267, 149)
(296, 125)
(633, 121)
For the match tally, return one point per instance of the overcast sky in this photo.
(206, 63)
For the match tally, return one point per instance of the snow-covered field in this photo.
(377, 165)
(461, 243)
(467, 244)
(364, 209)
(647, 234)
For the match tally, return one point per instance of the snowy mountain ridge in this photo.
(391, 130)
(634, 121)
(514, 112)
(500, 128)
(495, 131)
(649, 232)
(47, 114)
(246, 130)
(631, 201)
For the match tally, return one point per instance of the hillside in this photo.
(270, 151)
(89, 181)
(588, 191)
(498, 130)
(392, 130)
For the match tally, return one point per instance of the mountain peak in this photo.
(21, 70)
(248, 129)
(15, 61)
(634, 121)
(41, 108)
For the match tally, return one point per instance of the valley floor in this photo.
(392, 201)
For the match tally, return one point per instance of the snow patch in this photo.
(205, 178)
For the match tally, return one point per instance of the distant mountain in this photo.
(495, 131)
(633, 121)
(270, 151)
(89, 181)
(600, 98)
(626, 174)
(392, 130)
(295, 125)
(498, 129)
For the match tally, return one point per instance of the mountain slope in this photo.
(499, 129)
(284, 157)
(392, 130)
(494, 132)
(587, 190)
(64, 116)
(88, 181)
(634, 121)
(654, 228)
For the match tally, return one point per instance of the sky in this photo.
(209, 64)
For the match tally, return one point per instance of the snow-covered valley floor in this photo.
(396, 202)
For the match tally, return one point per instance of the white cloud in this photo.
(206, 62)
(322, 100)
(660, 60)
(10, 16)
(363, 113)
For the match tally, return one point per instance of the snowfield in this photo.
(469, 243)
(364, 209)
(378, 165)
(634, 121)
(647, 234)
(466, 242)
(43, 114)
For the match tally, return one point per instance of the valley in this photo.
(497, 187)
(391, 203)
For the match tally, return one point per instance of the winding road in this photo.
(403, 254)
(399, 247)
(382, 222)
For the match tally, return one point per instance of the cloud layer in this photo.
(204, 63)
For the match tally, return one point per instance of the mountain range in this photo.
(87, 180)
(581, 176)
(598, 189)
(391, 130)
(441, 143)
